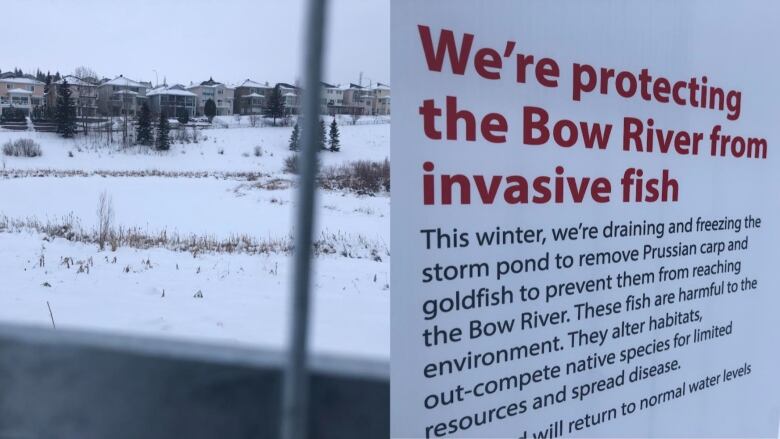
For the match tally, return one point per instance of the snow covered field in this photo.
(228, 186)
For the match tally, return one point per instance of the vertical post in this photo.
(296, 379)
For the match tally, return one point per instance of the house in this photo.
(250, 97)
(221, 94)
(173, 101)
(358, 100)
(332, 100)
(292, 98)
(121, 96)
(381, 94)
(84, 94)
(21, 93)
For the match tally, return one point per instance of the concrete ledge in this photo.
(73, 384)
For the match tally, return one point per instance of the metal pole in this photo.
(296, 380)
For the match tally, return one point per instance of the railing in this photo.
(72, 384)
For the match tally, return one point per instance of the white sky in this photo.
(191, 40)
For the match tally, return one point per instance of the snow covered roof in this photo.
(210, 82)
(121, 80)
(125, 92)
(250, 83)
(289, 94)
(254, 95)
(20, 90)
(173, 90)
(27, 81)
(72, 80)
(380, 86)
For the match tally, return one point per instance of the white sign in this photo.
(584, 226)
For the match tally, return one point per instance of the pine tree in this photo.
(66, 112)
(323, 135)
(295, 138)
(210, 109)
(275, 106)
(163, 128)
(335, 143)
(143, 130)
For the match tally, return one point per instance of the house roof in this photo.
(211, 81)
(254, 95)
(18, 80)
(174, 90)
(326, 85)
(20, 90)
(121, 80)
(72, 80)
(250, 83)
(285, 85)
(125, 92)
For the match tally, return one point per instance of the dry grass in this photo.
(22, 148)
(69, 228)
(362, 177)
(60, 173)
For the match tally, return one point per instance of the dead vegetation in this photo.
(113, 237)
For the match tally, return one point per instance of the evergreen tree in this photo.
(163, 128)
(275, 106)
(210, 109)
(66, 112)
(183, 116)
(143, 130)
(335, 143)
(295, 138)
(323, 140)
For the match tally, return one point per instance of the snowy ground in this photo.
(216, 189)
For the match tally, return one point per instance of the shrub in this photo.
(291, 164)
(362, 176)
(258, 151)
(22, 148)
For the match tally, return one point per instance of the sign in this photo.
(584, 225)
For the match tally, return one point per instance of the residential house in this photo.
(292, 98)
(221, 94)
(249, 97)
(381, 104)
(84, 94)
(358, 100)
(173, 101)
(332, 100)
(121, 96)
(21, 93)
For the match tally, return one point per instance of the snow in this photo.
(72, 80)
(250, 83)
(27, 81)
(20, 91)
(195, 189)
(170, 91)
(121, 80)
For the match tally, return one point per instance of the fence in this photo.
(68, 384)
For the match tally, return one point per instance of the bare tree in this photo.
(85, 73)
(355, 116)
(105, 214)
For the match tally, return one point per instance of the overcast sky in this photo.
(191, 40)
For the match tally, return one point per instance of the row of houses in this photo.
(122, 95)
